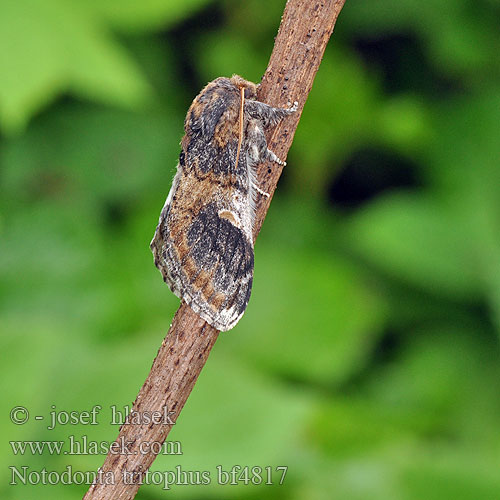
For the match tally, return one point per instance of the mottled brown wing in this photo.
(199, 245)
(207, 261)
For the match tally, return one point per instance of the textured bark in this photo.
(178, 363)
(305, 29)
(303, 35)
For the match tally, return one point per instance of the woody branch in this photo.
(304, 32)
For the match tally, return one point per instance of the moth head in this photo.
(249, 87)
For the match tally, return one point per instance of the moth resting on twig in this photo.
(203, 243)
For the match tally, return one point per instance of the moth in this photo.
(203, 244)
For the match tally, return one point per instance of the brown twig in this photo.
(305, 29)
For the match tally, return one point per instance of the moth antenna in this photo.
(240, 138)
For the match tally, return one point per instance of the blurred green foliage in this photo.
(368, 360)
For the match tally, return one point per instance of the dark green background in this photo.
(368, 359)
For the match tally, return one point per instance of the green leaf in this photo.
(236, 415)
(54, 46)
(229, 54)
(420, 241)
(465, 167)
(337, 117)
(421, 426)
(459, 41)
(93, 154)
(311, 316)
(147, 15)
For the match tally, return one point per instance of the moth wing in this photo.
(209, 264)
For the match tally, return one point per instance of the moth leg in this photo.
(266, 114)
(271, 156)
(260, 191)
(258, 151)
